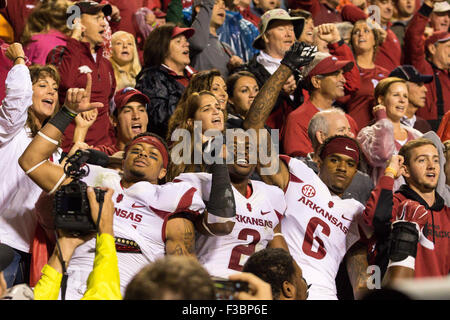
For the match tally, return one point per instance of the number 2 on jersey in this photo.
(310, 238)
(243, 249)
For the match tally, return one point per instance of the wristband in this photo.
(62, 119)
(221, 199)
(391, 170)
(403, 241)
(21, 57)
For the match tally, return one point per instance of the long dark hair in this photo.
(156, 47)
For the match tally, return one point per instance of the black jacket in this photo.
(164, 91)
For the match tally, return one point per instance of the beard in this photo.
(137, 174)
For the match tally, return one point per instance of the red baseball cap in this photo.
(188, 32)
(123, 96)
(325, 64)
(438, 36)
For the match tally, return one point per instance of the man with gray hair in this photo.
(328, 123)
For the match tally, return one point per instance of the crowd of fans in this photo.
(122, 77)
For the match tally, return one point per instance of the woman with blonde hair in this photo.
(124, 59)
(45, 29)
(380, 141)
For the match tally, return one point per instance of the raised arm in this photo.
(33, 161)
(199, 40)
(407, 232)
(19, 93)
(297, 56)
(180, 236)
(356, 264)
(377, 141)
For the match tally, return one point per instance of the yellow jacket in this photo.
(103, 282)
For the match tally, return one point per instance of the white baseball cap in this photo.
(443, 6)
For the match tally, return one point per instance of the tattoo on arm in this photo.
(356, 263)
(189, 237)
(180, 237)
(266, 98)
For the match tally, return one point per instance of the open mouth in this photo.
(217, 122)
(400, 108)
(136, 128)
(48, 102)
(242, 161)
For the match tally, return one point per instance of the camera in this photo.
(225, 289)
(72, 212)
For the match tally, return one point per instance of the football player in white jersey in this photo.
(315, 201)
(142, 207)
(259, 211)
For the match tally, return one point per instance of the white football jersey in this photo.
(141, 213)
(256, 218)
(319, 227)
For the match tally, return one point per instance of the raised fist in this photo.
(14, 51)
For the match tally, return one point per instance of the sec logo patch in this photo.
(308, 191)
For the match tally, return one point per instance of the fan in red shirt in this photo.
(77, 59)
(365, 41)
(390, 53)
(129, 117)
(328, 78)
(430, 56)
(418, 162)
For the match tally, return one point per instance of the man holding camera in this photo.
(143, 224)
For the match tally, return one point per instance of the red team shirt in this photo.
(319, 228)
(141, 213)
(256, 218)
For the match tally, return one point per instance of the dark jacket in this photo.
(164, 90)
